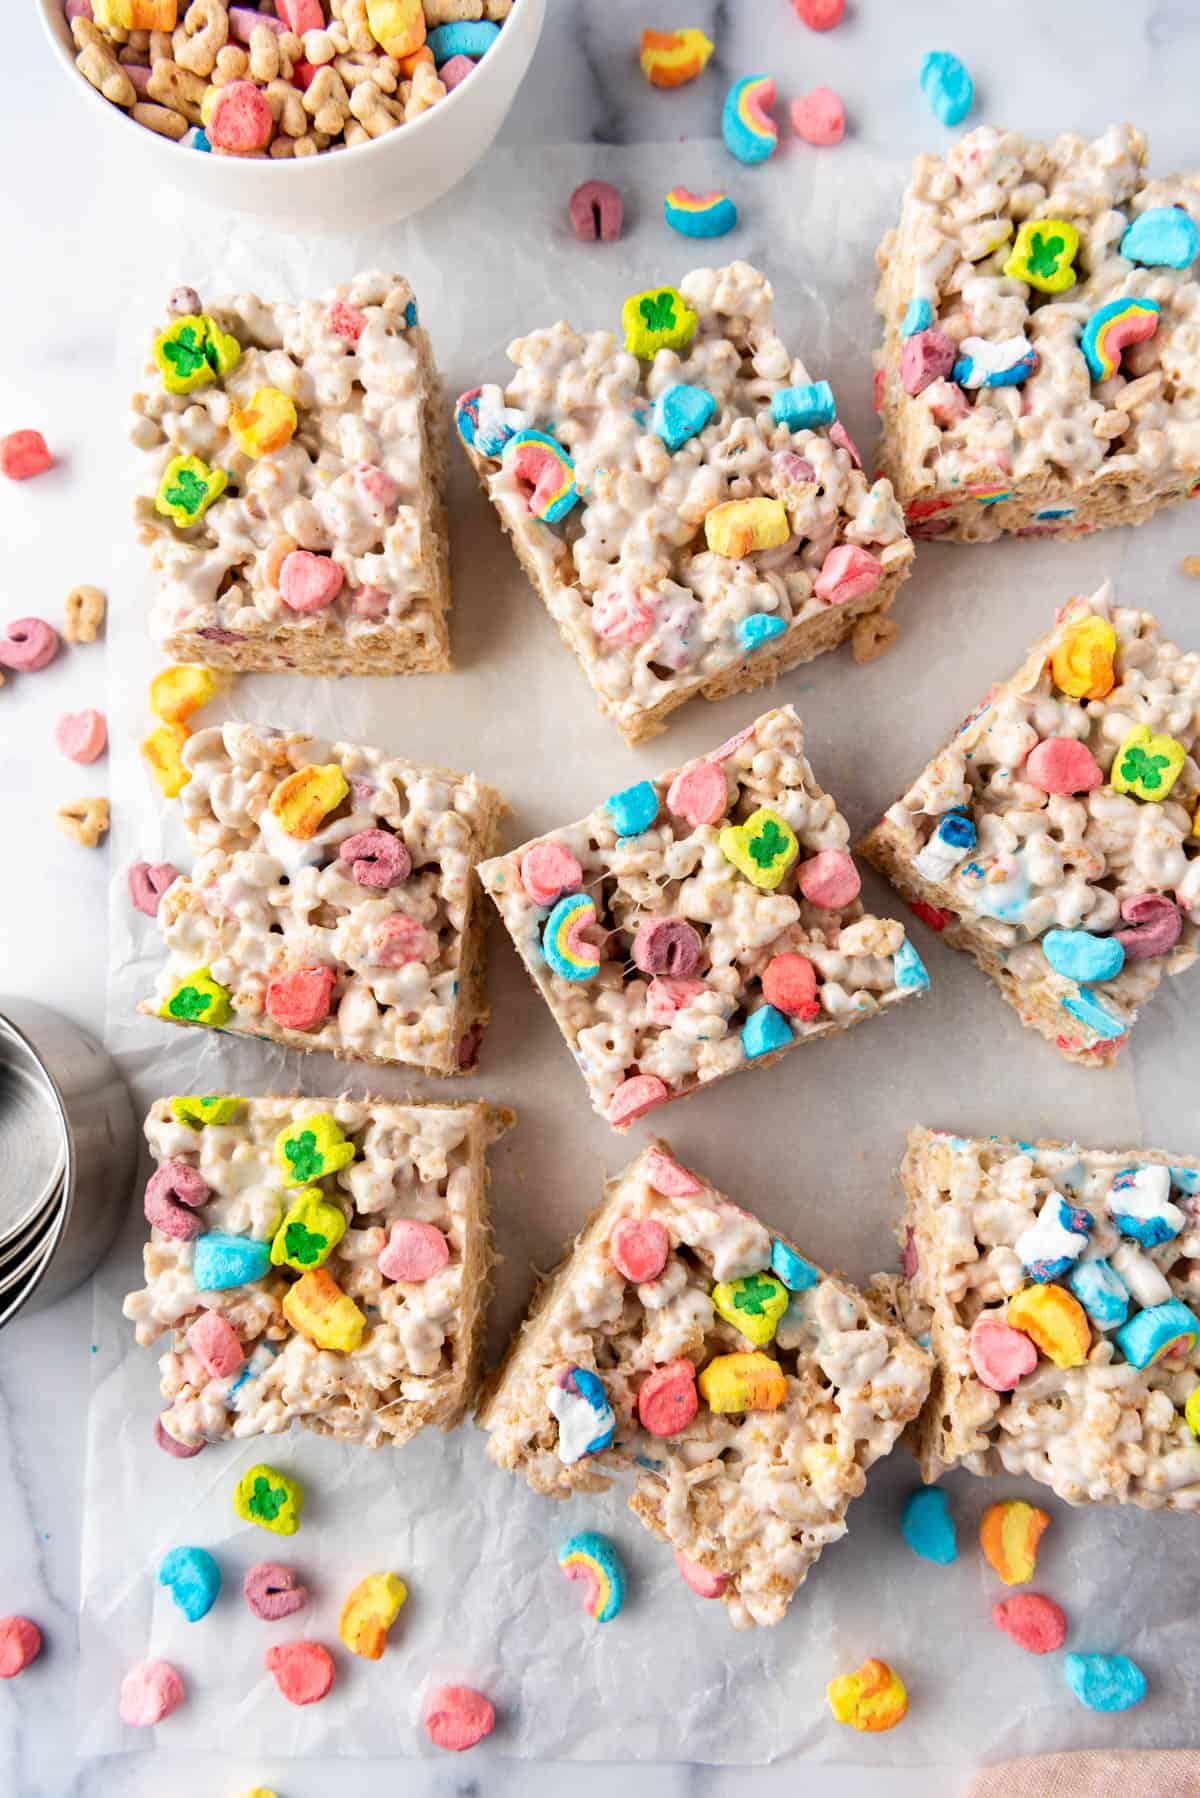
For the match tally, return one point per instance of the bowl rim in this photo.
(297, 169)
(10, 1303)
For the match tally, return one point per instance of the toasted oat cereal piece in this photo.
(1054, 836)
(335, 869)
(83, 614)
(802, 1385)
(692, 925)
(1041, 358)
(354, 485)
(259, 1173)
(86, 821)
(979, 1217)
(679, 501)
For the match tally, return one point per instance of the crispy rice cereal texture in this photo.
(1065, 449)
(262, 903)
(1106, 1431)
(360, 481)
(654, 615)
(1114, 875)
(675, 1019)
(753, 1495)
(418, 1361)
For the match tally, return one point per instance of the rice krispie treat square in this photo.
(1060, 1287)
(695, 924)
(292, 495)
(747, 1391)
(1054, 838)
(692, 513)
(321, 1261)
(333, 904)
(1040, 370)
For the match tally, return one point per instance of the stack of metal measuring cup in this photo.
(68, 1152)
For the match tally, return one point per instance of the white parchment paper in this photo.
(811, 1144)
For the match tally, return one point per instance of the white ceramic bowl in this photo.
(345, 190)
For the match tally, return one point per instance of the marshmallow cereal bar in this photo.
(1040, 370)
(687, 504)
(1061, 1287)
(323, 1261)
(292, 495)
(746, 1391)
(692, 925)
(333, 904)
(1054, 839)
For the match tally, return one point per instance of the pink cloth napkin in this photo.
(1092, 1775)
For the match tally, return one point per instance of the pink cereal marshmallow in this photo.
(667, 1401)
(635, 1096)
(947, 403)
(927, 356)
(77, 9)
(620, 617)
(149, 1692)
(819, 117)
(1034, 1622)
(668, 946)
(20, 1645)
(170, 1445)
(667, 1177)
(829, 879)
(174, 1191)
(400, 940)
(457, 1718)
(147, 882)
(301, 15)
(793, 468)
(840, 435)
(272, 1591)
(1155, 925)
(28, 645)
(596, 209)
(81, 736)
(242, 122)
(347, 321)
(24, 454)
(703, 1583)
(243, 19)
(1063, 765)
(789, 983)
(1000, 1355)
(820, 15)
(303, 1671)
(699, 794)
(414, 1251)
(215, 1344)
(371, 602)
(910, 1255)
(847, 573)
(376, 858)
(309, 582)
(638, 1248)
(455, 71)
(666, 998)
(376, 486)
(301, 1000)
(549, 870)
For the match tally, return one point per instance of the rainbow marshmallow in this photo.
(545, 465)
(1112, 329)
(593, 1559)
(563, 942)
(750, 132)
(700, 215)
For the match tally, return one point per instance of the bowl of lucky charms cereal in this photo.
(327, 114)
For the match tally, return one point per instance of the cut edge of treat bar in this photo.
(448, 1408)
(474, 1012)
(390, 647)
(940, 1438)
(865, 621)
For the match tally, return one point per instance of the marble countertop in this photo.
(72, 241)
